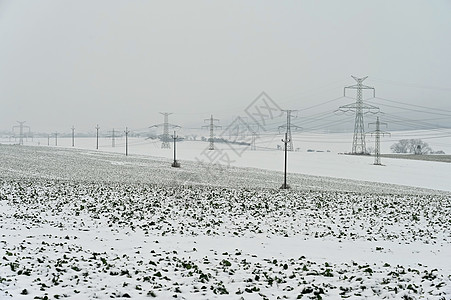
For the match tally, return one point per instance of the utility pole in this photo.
(288, 127)
(378, 133)
(175, 164)
(113, 142)
(97, 136)
(21, 127)
(56, 138)
(165, 137)
(73, 136)
(48, 139)
(212, 126)
(285, 141)
(126, 140)
(358, 141)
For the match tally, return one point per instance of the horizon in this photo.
(126, 62)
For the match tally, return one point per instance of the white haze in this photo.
(120, 63)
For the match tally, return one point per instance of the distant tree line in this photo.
(413, 146)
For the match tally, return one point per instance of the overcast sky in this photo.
(120, 63)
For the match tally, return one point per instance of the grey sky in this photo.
(119, 63)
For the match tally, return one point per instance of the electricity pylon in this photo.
(212, 126)
(165, 137)
(288, 127)
(360, 108)
(378, 133)
(254, 137)
(253, 129)
(21, 126)
(113, 137)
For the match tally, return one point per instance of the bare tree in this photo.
(416, 146)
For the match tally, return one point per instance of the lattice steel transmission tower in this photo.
(212, 126)
(113, 138)
(253, 144)
(378, 133)
(288, 127)
(360, 108)
(253, 129)
(21, 126)
(165, 138)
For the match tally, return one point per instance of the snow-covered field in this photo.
(423, 174)
(94, 224)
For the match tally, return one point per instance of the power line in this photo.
(323, 103)
(414, 123)
(416, 110)
(414, 105)
(438, 88)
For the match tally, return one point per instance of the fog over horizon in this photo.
(120, 63)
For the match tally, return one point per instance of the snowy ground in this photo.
(91, 224)
(423, 174)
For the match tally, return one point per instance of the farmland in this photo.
(86, 224)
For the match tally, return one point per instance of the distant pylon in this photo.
(21, 126)
(165, 138)
(113, 138)
(165, 143)
(254, 137)
(288, 127)
(212, 126)
(253, 129)
(378, 133)
(358, 141)
(56, 138)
